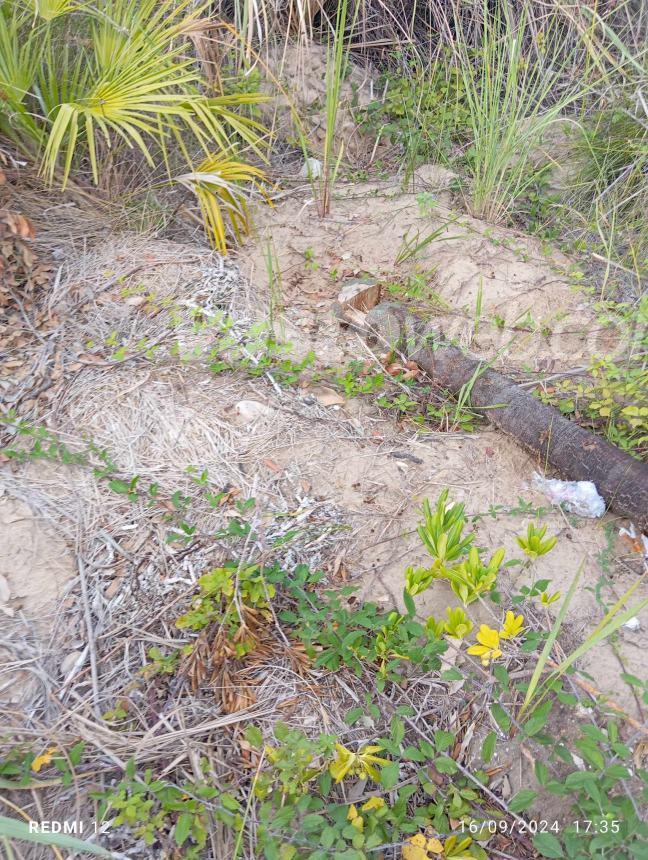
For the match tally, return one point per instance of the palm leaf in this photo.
(124, 79)
(217, 185)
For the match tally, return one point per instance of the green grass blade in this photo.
(14, 829)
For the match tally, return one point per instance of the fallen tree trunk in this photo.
(573, 451)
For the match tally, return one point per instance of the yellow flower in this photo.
(488, 648)
(43, 759)
(373, 803)
(512, 626)
(414, 849)
(362, 763)
(420, 848)
(355, 819)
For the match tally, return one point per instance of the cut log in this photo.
(576, 453)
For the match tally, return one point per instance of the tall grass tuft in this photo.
(336, 65)
(513, 86)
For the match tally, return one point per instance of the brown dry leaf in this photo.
(328, 396)
(16, 225)
(270, 464)
(338, 568)
(436, 777)
(640, 755)
(229, 496)
(236, 692)
(411, 374)
(393, 369)
(299, 661)
(90, 358)
(113, 587)
(463, 724)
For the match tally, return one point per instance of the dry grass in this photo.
(155, 419)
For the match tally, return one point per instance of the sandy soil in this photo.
(517, 278)
(292, 452)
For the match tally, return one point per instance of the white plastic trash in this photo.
(579, 497)
(311, 169)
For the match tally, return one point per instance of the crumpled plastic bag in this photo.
(311, 169)
(579, 497)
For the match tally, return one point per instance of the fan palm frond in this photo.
(218, 185)
(125, 78)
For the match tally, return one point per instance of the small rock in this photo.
(405, 455)
(249, 411)
(633, 624)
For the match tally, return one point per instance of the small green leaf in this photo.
(253, 735)
(353, 716)
(444, 764)
(538, 720)
(328, 837)
(443, 740)
(522, 800)
(617, 771)
(501, 674)
(183, 828)
(389, 775)
(501, 717)
(541, 772)
(579, 779)
(413, 753)
(397, 731)
(548, 845)
(408, 600)
(488, 747)
(312, 822)
(118, 486)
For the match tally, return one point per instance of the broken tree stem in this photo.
(574, 452)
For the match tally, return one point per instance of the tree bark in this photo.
(576, 453)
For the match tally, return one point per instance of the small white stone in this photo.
(248, 411)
